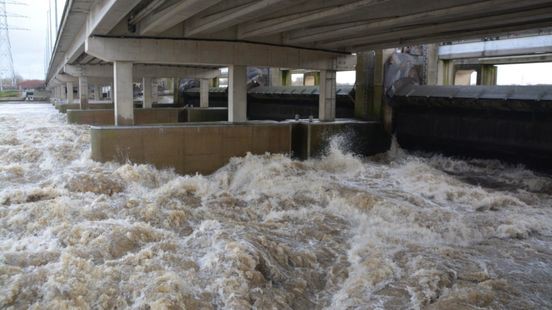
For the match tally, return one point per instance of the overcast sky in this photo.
(28, 47)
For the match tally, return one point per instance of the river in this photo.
(394, 231)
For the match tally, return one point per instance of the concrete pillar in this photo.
(364, 84)
(70, 92)
(204, 93)
(110, 93)
(311, 79)
(215, 82)
(237, 93)
(147, 102)
(445, 73)
(62, 93)
(326, 105)
(176, 91)
(56, 94)
(83, 92)
(154, 91)
(275, 77)
(97, 92)
(432, 64)
(370, 71)
(123, 93)
(286, 77)
(488, 75)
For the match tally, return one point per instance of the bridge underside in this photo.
(298, 34)
(118, 42)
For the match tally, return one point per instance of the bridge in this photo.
(118, 42)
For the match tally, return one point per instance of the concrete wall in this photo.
(189, 148)
(149, 116)
(359, 137)
(63, 107)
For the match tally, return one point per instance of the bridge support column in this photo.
(147, 102)
(326, 104)
(204, 93)
(446, 73)
(70, 93)
(123, 93)
(83, 92)
(176, 91)
(97, 92)
(56, 94)
(237, 94)
(488, 75)
(370, 71)
(62, 93)
(154, 91)
(432, 64)
(275, 77)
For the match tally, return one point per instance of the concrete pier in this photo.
(189, 148)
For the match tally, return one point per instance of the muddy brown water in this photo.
(396, 231)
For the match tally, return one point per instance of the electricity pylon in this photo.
(7, 71)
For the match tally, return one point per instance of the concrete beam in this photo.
(100, 19)
(499, 48)
(444, 34)
(173, 15)
(455, 13)
(142, 71)
(106, 14)
(499, 21)
(232, 17)
(209, 52)
(303, 19)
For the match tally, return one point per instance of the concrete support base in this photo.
(189, 149)
(64, 107)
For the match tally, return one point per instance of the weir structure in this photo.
(115, 43)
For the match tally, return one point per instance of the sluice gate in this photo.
(513, 123)
(279, 102)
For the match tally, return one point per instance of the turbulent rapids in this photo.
(394, 231)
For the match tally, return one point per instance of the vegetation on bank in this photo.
(10, 93)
